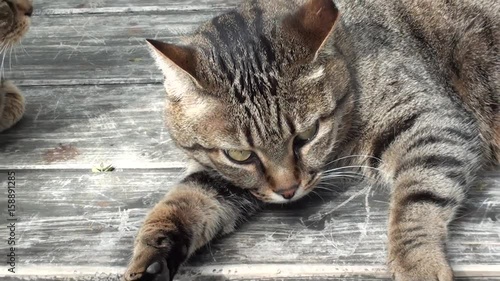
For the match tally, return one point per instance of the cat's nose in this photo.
(289, 192)
(25, 8)
(29, 12)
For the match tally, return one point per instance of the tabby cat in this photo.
(263, 97)
(14, 23)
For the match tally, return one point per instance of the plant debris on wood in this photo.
(103, 169)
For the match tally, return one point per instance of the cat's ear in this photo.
(178, 64)
(314, 22)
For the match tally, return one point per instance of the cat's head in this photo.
(252, 95)
(15, 19)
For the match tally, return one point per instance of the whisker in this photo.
(10, 59)
(353, 156)
(24, 49)
(2, 73)
(344, 173)
(15, 55)
(342, 176)
(352, 167)
(317, 194)
(323, 188)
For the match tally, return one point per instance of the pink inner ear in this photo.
(314, 21)
(182, 56)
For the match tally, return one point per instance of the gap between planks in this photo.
(90, 82)
(255, 271)
(125, 10)
(173, 165)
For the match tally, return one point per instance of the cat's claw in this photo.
(157, 271)
(154, 268)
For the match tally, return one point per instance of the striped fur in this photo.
(14, 23)
(412, 85)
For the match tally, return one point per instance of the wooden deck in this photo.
(94, 96)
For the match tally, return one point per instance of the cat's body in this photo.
(448, 48)
(14, 23)
(265, 97)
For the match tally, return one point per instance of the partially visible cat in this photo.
(14, 23)
(265, 97)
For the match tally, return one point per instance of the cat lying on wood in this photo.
(273, 97)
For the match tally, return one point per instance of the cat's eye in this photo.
(308, 135)
(239, 156)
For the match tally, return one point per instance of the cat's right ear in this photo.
(314, 23)
(178, 64)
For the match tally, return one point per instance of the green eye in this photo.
(309, 134)
(239, 156)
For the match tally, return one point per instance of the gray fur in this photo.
(411, 85)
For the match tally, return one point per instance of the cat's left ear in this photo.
(314, 23)
(178, 64)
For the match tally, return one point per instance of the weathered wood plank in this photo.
(116, 6)
(89, 220)
(68, 127)
(105, 48)
(96, 49)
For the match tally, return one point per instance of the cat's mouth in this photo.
(271, 196)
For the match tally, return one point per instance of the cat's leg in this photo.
(430, 166)
(12, 105)
(193, 213)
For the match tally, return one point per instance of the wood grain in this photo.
(87, 49)
(68, 47)
(120, 125)
(94, 6)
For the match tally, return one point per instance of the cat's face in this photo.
(249, 97)
(14, 21)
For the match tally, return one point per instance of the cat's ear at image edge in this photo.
(178, 63)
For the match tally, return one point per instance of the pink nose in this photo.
(289, 192)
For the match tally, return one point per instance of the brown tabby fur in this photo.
(412, 85)
(14, 23)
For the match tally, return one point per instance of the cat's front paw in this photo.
(426, 263)
(158, 254)
(12, 105)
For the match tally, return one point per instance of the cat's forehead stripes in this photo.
(241, 51)
(243, 54)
